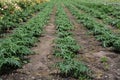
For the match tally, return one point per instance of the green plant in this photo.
(71, 67)
(14, 48)
(11, 61)
(10, 21)
(104, 59)
(96, 13)
(67, 48)
(64, 34)
(116, 45)
(106, 36)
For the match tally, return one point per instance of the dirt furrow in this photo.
(40, 63)
(94, 54)
(88, 42)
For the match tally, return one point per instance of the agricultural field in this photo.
(59, 40)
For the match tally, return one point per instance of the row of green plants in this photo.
(11, 21)
(100, 15)
(14, 48)
(100, 31)
(67, 48)
(109, 9)
(105, 8)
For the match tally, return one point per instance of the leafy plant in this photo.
(11, 21)
(104, 59)
(18, 44)
(116, 45)
(11, 61)
(106, 36)
(71, 67)
(66, 48)
(96, 13)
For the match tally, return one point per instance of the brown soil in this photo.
(88, 41)
(92, 53)
(40, 63)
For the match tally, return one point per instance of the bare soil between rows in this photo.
(92, 53)
(40, 66)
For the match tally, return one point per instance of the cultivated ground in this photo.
(104, 62)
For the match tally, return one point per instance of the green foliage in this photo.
(116, 45)
(9, 48)
(106, 36)
(68, 43)
(104, 59)
(64, 34)
(118, 24)
(96, 13)
(74, 68)
(67, 48)
(18, 44)
(10, 21)
(11, 61)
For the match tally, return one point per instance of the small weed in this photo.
(104, 59)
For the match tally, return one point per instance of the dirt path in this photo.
(39, 66)
(92, 53)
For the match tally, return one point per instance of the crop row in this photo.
(100, 15)
(110, 10)
(107, 9)
(11, 21)
(67, 48)
(102, 34)
(17, 45)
